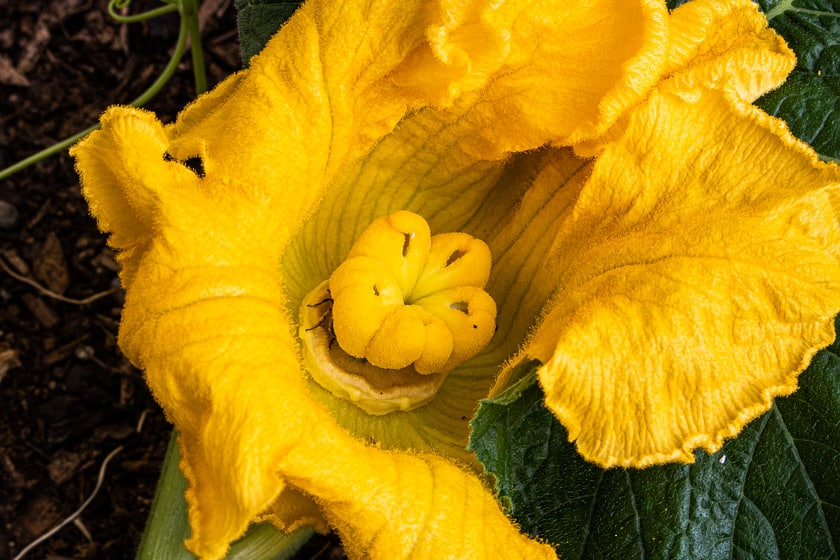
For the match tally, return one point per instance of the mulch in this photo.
(68, 397)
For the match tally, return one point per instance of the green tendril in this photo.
(115, 5)
(188, 10)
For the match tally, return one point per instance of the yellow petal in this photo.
(206, 307)
(124, 177)
(697, 275)
(401, 506)
(727, 45)
(452, 166)
(719, 44)
(217, 352)
(315, 119)
(546, 92)
(293, 510)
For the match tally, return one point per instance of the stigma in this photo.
(402, 311)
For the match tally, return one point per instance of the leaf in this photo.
(258, 20)
(771, 493)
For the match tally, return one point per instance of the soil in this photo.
(68, 397)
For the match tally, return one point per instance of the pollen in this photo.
(401, 312)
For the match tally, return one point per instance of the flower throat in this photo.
(401, 312)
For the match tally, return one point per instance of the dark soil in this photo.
(67, 395)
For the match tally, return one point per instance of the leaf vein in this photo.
(806, 477)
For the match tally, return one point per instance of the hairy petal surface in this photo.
(398, 505)
(207, 323)
(720, 44)
(704, 237)
(454, 166)
(206, 310)
(714, 249)
(727, 44)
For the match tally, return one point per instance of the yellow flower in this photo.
(682, 278)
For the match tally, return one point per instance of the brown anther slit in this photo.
(455, 256)
(461, 306)
(406, 242)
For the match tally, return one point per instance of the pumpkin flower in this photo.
(334, 255)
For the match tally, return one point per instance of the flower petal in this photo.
(726, 44)
(205, 313)
(449, 165)
(719, 44)
(444, 162)
(324, 91)
(547, 91)
(709, 240)
(315, 118)
(128, 154)
(402, 506)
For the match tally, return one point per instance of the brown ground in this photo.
(67, 395)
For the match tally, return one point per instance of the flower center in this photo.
(398, 315)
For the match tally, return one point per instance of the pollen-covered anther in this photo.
(406, 307)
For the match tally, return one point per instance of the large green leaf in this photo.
(771, 493)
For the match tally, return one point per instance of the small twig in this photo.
(142, 420)
(76, 513)
(82, 529)
(49, 293)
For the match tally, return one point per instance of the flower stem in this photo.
(189, 14)
(167, 526)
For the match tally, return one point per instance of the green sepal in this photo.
(771, 493)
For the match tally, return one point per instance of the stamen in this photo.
(390, 347)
